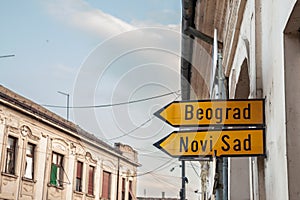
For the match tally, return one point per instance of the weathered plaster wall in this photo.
(274, 16)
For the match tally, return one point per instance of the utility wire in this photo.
(165, 183)
(131, 131)
(159, 179)
(194, 169)
(152, 156)
(5, 56)
(138, 127)
(114, 104)
(159, 168)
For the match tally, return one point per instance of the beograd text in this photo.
(219, 115)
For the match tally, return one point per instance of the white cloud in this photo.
(148, 23)
(79, 14)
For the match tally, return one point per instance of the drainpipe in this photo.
(118, 178)
(222, 163)
(188, 15)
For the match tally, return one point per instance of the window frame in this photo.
(104, 173)
(123, 189)
(11, 163)
(58, 168)
(91, 183)
(78, 188)
(32, 157)
(130, 192)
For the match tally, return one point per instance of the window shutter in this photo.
(130, 185)
(53, 176)
(130, 191)
(79, 170)
(123, 184)
(91, 181)
(106, 185)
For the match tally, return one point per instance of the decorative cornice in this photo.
(89, 158)
(26, 132)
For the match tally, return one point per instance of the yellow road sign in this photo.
(209, 143)
(213, 112)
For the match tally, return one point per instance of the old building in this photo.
(44, 156)
(259, 44)
(156, 198)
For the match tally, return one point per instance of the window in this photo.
(106, 185)
(56, 177)
(91, 180)
(79, 177)
(10, 155)
(130, 195)
(29, 166)
(123, 188)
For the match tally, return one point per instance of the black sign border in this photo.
(157, 114)
(157, 145)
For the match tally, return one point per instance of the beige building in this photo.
(260, 47)
(43, 156)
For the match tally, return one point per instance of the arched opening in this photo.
(292, 91)
(242, 90)
(239, 167)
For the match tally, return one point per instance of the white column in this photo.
(40, 166)
(70, 170)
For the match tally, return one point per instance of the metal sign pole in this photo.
(182, 192)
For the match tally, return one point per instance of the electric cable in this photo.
(131, 131)
(138, 127)
(195, 169)
(114, 104)
(161, 167)
(158, 179)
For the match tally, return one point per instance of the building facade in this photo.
(155, 198)
(44, 156)
(260, 48)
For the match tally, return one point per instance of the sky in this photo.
(102, 52)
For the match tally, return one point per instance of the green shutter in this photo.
(53, 176)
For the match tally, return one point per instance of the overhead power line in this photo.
(115, 104)
(136, 128)
(195, 170)
(5, 56)
(129, 132)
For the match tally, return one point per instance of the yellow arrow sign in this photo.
(213, 112)
(209, 143)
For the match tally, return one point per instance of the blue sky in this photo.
(46, 40)
(56, 43)
(158, 11)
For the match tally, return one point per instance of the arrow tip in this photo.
(157, 144)
(157, 113)
(162, 113)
